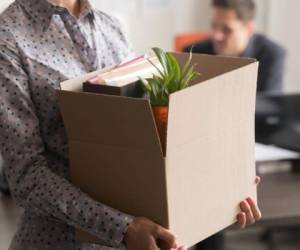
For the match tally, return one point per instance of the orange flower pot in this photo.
(161, 119)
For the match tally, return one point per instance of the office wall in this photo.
(282, 26)
(148, 22)
(4, 4)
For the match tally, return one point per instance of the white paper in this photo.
(264, 153)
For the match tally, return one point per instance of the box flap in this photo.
(211, 134)
(109, 120)
(212, 66)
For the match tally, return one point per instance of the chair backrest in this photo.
(185, 39)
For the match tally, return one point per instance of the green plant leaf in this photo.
(169, 80)
(162, 74)
(175, 66)
(161, 55)
(188, 63)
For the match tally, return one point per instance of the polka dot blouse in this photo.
(40, 46)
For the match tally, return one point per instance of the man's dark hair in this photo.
(245, 9)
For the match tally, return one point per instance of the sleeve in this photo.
(271, 71)
(33, 185)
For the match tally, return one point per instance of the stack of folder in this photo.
(124, 78)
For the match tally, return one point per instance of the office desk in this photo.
(278, 193)
(279, 199)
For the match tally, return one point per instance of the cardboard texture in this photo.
(116, 157)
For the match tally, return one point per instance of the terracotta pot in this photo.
(161, 119)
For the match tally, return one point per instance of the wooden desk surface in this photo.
(279, 199)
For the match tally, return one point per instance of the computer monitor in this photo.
(278, 121)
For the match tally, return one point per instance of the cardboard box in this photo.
(116, 157)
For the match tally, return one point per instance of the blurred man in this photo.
(233, 34)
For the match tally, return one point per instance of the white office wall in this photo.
(148, 22)
(4, 4)
(191, 15)
(282, 26)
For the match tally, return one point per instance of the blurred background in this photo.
(158, 22)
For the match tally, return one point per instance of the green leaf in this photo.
(162, 57)
(169, 80)
(175, 66)
(162, 74)
(187, 64)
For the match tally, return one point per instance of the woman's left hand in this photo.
(250, 212)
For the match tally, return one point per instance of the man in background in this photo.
(233, 34)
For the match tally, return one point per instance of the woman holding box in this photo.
(41, 44)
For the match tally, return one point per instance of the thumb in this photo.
(257, 180)
(153, 245)
(166, 236)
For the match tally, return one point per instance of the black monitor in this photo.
(278, 121)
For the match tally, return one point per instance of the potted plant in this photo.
(171, 78)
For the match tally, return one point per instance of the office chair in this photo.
(185, 39)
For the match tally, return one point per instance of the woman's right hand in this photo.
(144, 234)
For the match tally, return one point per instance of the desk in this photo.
(279, 199)
(278, 193)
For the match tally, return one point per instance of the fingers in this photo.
(145, 234)
(153, 244)
(257, 180)
(180, 248)
(250, 213)
(245, 207)
(255, 210)
(241, 217)
(166, 236)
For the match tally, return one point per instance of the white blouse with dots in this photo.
(40, 46)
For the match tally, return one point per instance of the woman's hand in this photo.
(250, 212)
(144, 234)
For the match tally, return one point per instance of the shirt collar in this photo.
(42, 10)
